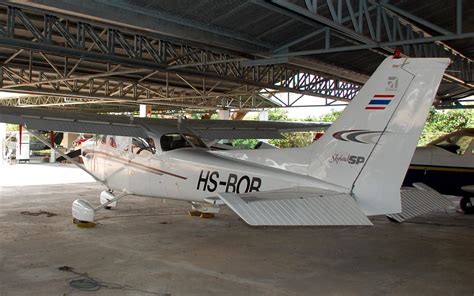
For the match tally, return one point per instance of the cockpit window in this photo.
(139, 145)
(176, 141)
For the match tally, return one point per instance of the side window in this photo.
(173, 141)
(143, 145)
(463, 143)
(176, 141)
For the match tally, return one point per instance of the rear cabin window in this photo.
(176, 141)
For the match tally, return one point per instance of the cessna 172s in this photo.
(355, 170)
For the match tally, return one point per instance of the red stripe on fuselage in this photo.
(132, 163)
(374, 108)
(384, 96)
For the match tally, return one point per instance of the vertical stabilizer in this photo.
(368, 149)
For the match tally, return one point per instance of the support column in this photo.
(52, 152)
(263, 116)
(52, 156)
(145, 110)
(68, 138)
(3, 135)
(223, 114)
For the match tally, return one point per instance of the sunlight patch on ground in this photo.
(41, 174)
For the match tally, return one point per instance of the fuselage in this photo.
(187, 173)
(445, 171)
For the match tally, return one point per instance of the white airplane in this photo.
(354, 171)
(447, 165)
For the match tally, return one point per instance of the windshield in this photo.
(458, 144)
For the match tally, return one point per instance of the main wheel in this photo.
(466, 205)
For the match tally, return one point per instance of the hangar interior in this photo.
(232, 54)
(115, 56)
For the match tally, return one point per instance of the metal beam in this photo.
(85, 77)
(137, 18)
(377, 45)
(414, 18)
(141, 53)
(322, 20)
(387, 26)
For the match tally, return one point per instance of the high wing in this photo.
(299, 206)
(137, 127)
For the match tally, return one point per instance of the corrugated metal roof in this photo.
(252, 20)
(257, 28)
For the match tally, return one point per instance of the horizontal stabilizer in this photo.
(419, 201)
(295, 208)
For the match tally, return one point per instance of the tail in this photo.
(369, 148)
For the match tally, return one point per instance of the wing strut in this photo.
(47, 143)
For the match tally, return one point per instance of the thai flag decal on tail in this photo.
(379, 102)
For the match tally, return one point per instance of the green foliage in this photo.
(245, 143)
(278, 115)
(12, 127)
(293, 140)
(442, 122)
(300, 139)
(330, 117)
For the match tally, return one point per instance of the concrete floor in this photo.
(151, 247)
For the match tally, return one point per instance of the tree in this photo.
(330, 117)
(290, 140)
(278, 115)
(442, 122)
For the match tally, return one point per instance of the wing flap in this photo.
(249, 129)
(295, 208)
(231, 134)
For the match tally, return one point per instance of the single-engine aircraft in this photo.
(447, 165)
(353, 171)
